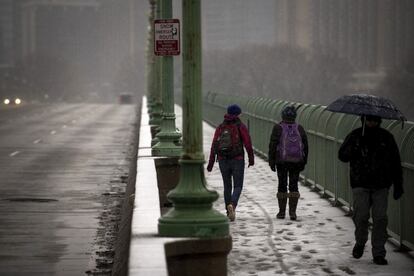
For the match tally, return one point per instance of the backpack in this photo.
(229, 143)
(290, 147)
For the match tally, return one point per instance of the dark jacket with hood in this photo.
(275, 140)
(374, 158)
(245, 137)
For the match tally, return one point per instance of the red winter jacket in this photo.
(244, 133)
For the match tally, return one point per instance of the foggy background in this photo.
(72, 50)
(296, 50)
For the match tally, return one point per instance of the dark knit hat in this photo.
(289, 113)
(233, 109)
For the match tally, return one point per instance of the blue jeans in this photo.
(232, 172)
(375, 202)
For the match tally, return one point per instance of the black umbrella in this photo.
(363, 104)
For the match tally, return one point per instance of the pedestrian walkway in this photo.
(319, 242)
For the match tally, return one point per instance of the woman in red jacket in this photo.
(229, 139)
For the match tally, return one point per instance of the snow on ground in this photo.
(319, 242)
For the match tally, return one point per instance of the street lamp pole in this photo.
(168, 137)
(192, 214)
(155, 119)
(150, 59)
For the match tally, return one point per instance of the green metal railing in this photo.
(326, 132)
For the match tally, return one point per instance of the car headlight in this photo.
(17, 101)
(6, 101)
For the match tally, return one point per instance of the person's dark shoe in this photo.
(358, 251)
(379, 260)
(281, 215)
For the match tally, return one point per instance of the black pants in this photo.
(283, 172)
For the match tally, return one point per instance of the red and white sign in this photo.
(166, 37)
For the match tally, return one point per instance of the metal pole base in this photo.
(192, 214)
(193, 223)
(168, 145)
(166, 149)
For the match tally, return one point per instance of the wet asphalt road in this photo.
(63, 173)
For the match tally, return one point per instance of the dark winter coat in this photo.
(374, 158)
(274, 142)
(245, 137)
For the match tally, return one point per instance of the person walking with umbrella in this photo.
(375, 166)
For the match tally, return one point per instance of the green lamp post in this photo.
(192, 214)
(150, 59)
(168, 138)
(155, 119)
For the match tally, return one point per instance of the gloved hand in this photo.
(251, 162)
(398, 192)
(273, 168)
(210, 166)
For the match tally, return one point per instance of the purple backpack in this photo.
(290, 147)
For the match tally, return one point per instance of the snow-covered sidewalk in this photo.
(319, 242)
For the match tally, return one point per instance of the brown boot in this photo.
(293, 203)
(282, 200)
(231, 212)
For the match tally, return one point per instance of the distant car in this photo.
(12, 101)
(125, 98)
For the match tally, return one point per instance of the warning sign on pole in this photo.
(166, 37)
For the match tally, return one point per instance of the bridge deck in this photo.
(318, 243)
